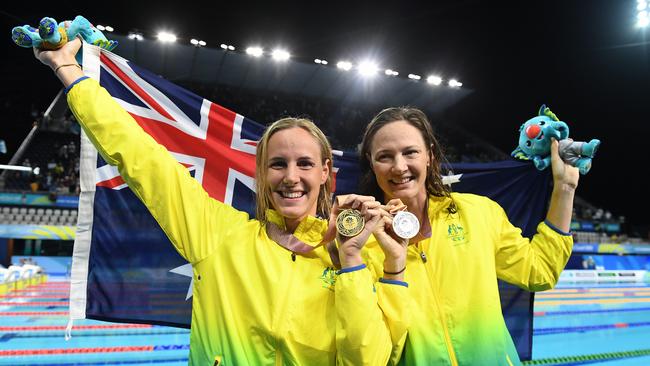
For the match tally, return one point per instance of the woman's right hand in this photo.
(393, 246)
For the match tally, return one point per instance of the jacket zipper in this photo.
(450, 349)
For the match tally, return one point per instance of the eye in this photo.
(277, 164)
(542, 123)
(411, 152)
(528, 143)
(305, 164)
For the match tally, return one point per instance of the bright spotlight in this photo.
(194, 41)
(197, 42)
(641, 5)
(344, 65)
(390, 72)
(100, 27)
(231, 48)
(280, 55)
(454, 83)
(367, 68)
(642, 19)
(321, 62)
(255, 51)
(166, 37)
(202, 43)
(224, 46)
(136, 36)
(414, 77)
(109, 28)
(434, 79)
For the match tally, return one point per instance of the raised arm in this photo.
(185, 212)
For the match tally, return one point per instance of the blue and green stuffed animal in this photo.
(535, 137)
(51, 35)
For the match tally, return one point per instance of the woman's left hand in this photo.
(565, 176)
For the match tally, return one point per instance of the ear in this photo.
(541, 110)
(326, 171)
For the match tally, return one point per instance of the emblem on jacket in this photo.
(456, 233)
(329, 278)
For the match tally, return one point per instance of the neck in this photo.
(291, 224)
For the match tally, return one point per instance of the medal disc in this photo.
(406, 225)
(350, 222)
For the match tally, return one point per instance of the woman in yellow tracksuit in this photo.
(265, 290)
(465, 243)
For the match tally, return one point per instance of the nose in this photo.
(291, 176)
(532, 131)
(400, 165)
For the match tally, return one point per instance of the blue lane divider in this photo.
(587, 328)
(573, 312)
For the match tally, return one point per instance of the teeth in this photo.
(291, 194)
(400, 181)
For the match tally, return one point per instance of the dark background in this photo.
(584, 58)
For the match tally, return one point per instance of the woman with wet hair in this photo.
(266, 290)
(462, 246)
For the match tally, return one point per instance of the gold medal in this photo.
(350, 222)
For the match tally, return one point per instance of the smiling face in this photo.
(399, 158)
(294, 175)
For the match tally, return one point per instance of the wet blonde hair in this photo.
(263, 189)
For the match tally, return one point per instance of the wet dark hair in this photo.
(416, 118)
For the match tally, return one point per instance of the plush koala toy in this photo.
(50, 35)
(535, 142)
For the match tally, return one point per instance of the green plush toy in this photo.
(51, 35)
(535, 142)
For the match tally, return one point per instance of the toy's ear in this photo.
(546, 111)
(521, 128)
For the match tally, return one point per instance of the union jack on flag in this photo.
(124, 267)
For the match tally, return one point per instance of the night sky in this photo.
(584, 59)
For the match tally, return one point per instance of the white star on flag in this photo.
(185, 270)
(451, 179)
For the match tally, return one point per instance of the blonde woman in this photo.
(265, 289)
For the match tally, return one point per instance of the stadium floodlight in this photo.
(100, 27)
(224, 46)
(367, 68)
(641, 5)
(642, 16)
(231, 48)
(414, 77)
(166, 37)
(197, 42)
(255, 51)
(434, 79)
(323, 62)
(344, 65)
(109, 28)
(136, 36)
(280, 55)
(390, 72)
(454, 83)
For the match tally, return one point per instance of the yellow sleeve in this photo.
(536, 264)
(362, 336)
(180, 205)
(393, 298)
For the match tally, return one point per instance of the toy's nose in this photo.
(532, 131)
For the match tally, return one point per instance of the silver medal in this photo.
(406, 225)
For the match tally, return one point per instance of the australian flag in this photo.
(124, 267)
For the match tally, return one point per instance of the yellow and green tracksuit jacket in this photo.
(253, 304)
(456, 316)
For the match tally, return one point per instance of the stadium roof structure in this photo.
(187, 63)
